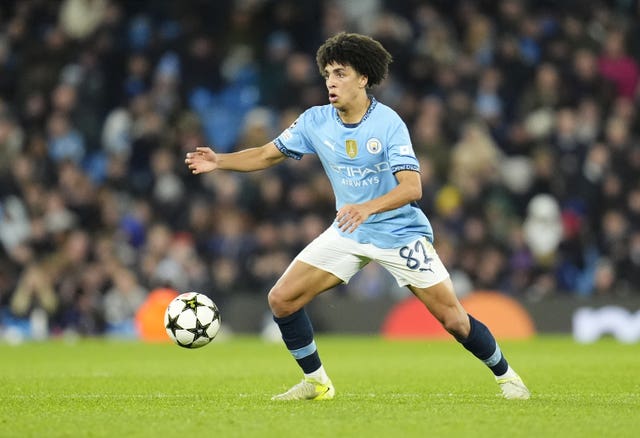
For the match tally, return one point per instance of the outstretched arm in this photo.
(204, 159)
(409, 189)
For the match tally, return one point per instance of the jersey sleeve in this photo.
(400, 152)
(294, 142)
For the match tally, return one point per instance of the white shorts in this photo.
(415, 264)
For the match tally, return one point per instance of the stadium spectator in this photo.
(617, 66)
(120, 303)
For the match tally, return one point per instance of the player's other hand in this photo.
(350, 217)
(202, 160)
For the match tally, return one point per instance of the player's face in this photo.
(344, 84)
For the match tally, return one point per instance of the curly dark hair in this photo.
(363, 53)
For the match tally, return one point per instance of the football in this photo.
(192, 320)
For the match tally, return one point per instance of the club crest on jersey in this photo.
(351, 147)
(374, 146)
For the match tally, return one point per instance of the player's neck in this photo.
(355, 112)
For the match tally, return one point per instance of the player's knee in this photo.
(457, 323)
(280, 303)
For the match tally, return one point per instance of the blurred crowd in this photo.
(524, 115)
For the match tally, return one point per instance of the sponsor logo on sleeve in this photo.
(406, 150)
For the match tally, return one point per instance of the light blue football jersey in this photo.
(360, 161)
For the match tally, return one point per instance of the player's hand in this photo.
(202, 160)
(350, 217)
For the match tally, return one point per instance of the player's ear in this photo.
(363, 81)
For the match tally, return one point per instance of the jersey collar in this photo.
(374, 102)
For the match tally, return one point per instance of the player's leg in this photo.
(298, 286)
(323, 264)
(442, 302)
(418, 266)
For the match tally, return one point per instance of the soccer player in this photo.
(366, 152)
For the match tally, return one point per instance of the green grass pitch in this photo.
(103, 388)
